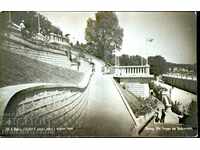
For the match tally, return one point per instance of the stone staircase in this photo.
(43, 56)
(46, 108)
(138, 89)
(18, 69)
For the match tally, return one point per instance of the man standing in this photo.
(22, 26)
(162, 120)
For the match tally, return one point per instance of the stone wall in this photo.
(51, 54)
(185, 84)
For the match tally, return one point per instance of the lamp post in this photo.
(38, 21)
(117, 54)
(9, 17)
(150, 40)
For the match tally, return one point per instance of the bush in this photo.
(176, 107)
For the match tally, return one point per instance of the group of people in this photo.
(160, 115)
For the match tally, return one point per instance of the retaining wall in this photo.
(184, 84)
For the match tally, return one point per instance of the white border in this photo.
(94, 5)
(91, 143)
(100, 144)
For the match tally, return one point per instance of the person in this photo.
(157, 115)
(23, 29)
(170, 93)
(93, 68)
(162, 120)
(78, 65)
(70, 55)
(22, 26)
(151, 93)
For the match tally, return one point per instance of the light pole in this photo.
(150, 40)
(38, 21)
(117, 55)
(9, 17)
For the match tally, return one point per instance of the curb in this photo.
(4, 100)
(126, 104)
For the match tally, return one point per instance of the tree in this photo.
(126, 60)
(103, 34)
(158, 65)
(3, 24)
(31, 22)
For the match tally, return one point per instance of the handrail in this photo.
(136, 66)
(182, 76)
(141, 128)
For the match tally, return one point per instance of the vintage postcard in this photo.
(98, 74)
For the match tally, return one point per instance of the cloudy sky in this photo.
(173, 32)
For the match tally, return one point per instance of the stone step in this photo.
(138, 89)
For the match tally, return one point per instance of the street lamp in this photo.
(150, 40)
(9, 17)
(117, 54)
(38, 21)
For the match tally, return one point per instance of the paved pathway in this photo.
(106, 114)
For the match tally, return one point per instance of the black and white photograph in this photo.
(98, 74)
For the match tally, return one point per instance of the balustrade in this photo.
(131, 70)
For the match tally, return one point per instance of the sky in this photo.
(173, 33)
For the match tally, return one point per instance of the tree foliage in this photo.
(3, 25)
(158, 65)
(103, 34)
(189, 67)
(31, 22)
(126, 60)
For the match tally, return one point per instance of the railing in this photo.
(35, 42)
(52, 38)
(124, 71)
(181, 76)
